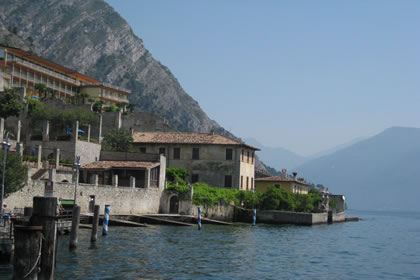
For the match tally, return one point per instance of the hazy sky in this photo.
(303, 75)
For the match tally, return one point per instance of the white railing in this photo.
(45, 70)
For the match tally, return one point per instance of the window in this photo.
(252, 184)
(229, 154)
(252, 157)
(247, 181)
(194, 178)
(243, 155)
(277, 186)
(247, 157)
(143, 150)
(242, 182)
(177, 153)
(228, 181)
(196, 153)
(162, 151)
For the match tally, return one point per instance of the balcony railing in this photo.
(45, 70)
(106, 85)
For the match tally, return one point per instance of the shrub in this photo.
(15, 172)
(117, 140)
(182, 190)
(176, 175)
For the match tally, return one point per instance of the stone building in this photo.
(291, 184)
(208, 157)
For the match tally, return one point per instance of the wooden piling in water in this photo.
(74, 227)
(95, 224)
(27, 211)
(44, 213)
(28, 245)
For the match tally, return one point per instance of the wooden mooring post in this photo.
(44, 214)
(95, 224)
(74, 227)
(28, 244)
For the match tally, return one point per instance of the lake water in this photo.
(383, 245)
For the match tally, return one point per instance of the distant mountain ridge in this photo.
(92, 38)
(381, 172)
(277, 157)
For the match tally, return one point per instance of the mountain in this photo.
(92, 38)
(381, 172)
(335, 149)
(277, 157)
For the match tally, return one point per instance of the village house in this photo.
(208, 157)
(291, 184)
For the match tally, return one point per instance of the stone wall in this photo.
(87, 151)
(220, 211)
(281, 217)
(123, 200)
(145, 121)
(338, 217)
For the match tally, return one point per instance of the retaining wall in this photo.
(280, 217)
(123, 200)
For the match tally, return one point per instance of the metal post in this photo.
(199, 218)
(76, 182)
(106, 220)
(6, 146)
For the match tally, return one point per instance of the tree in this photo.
(41, 89)
(10, 104)
(117, 140)
(130, 107)
(15, 173)
(97, 106)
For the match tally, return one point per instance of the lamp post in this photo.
(6, 146)
(76, 182)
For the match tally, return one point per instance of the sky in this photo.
(302, 75)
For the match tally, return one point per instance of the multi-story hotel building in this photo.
(19, 68)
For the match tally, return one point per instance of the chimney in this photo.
(132, 131)
(294, 175)
(284, 173)
(212, 132)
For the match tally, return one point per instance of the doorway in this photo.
(174, 205)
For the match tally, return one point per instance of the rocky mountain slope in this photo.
(92, 38)
(380, 173)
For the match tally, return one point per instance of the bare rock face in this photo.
(92, 38)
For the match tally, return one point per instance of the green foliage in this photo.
(176, 175)
(249, 200)
(10, 104)
(117, 140)
(38, 111)
(332, 203)
(182, 190)
(97, 106)
(112, 108)
(209, 196)
(15, 172)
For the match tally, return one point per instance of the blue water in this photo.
(383, 245)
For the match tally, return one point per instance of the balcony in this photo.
(44, 70)
(106, 85)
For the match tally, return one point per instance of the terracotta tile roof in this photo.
(120, 164)
(280, 179)
(186, 138)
